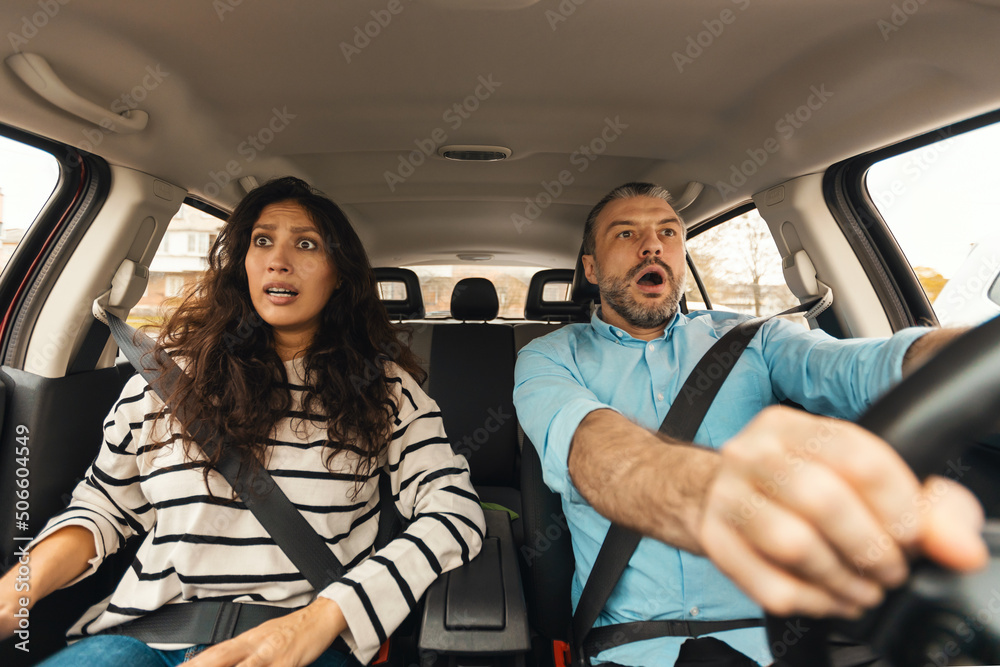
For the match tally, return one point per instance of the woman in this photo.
(279, 342)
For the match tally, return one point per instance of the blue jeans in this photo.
(121, 651)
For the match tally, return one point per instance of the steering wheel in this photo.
(937, 617)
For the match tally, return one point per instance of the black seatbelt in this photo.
(269, 504)
(681, 423)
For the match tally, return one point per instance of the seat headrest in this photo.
(409, 308)
(474, 299)
(584, 291)
(536, 308)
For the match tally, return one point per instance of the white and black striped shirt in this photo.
(199, 547)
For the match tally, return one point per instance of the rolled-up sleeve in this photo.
(551, 401)
(840, 378)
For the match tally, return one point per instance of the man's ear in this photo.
(589, 268)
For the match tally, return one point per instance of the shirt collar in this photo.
(613, 333)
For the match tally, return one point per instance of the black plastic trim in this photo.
(83, 185)
(479, 635)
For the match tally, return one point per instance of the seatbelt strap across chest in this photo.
(683, 419)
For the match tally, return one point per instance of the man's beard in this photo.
(617, 295)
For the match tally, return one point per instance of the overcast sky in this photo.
(948, 198)
(27, 178)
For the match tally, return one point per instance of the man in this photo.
(782, 518)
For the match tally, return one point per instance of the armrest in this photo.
(479, 608)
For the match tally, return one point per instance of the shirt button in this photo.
(651, 347)
(618, 333)
(694, 611)
(659, 397)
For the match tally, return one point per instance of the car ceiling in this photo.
(566, 71)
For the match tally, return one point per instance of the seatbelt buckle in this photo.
(560, 654)
(383, 653)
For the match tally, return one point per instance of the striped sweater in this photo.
(196, 548)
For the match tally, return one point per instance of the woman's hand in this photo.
(52, 563)
(294, 640)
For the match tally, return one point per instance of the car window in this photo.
(740, 267)
(180, 260)
(511, 283)
(28, 176)
(940, 202)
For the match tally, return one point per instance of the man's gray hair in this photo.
(627, 191)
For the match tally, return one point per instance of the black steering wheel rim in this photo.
(929, 418)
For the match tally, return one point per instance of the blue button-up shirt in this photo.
(579, 368)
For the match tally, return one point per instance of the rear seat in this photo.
(471, 376)
(470, 366)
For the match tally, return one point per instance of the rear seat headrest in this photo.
(536, 308)
(474, 299)
(584, 291)
(410, 308)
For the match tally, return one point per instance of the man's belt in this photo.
(609, 636)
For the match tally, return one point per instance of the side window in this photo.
(940, 201)
(740, 267)
(28, 177)
(180, 260)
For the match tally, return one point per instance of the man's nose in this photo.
(652, 244)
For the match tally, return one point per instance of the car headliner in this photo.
(693, 91)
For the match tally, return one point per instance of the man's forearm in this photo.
(927, 345)
(619, 467)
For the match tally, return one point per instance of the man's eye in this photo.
(625, 235)
(669, 232)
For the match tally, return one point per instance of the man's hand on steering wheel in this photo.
(818, 517)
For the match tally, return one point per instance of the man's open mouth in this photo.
(650, 277)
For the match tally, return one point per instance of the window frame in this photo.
(890, 273)
(80, 190)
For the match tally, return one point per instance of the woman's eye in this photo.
(261, 241)
(308, 244)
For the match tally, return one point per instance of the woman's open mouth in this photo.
(280, 295)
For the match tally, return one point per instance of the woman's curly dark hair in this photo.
(234, 378)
